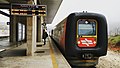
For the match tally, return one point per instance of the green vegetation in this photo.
(114, 40)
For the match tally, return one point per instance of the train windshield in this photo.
(86, 27)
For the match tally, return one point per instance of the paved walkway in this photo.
(45, 57)
(5, 44)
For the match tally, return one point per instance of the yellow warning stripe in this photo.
(55, 65)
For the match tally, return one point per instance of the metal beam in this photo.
(3, 13)
(18, 1)
(5, 6)
(4, 1)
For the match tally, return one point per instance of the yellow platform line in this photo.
(55, 65)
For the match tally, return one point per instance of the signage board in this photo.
(28, 10)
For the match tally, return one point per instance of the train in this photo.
(82, 37)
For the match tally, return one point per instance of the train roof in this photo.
(83, 14)
(87, 14)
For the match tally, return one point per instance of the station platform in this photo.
(46, 56)
(5, 44)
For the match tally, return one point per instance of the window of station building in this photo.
(23, 37)
(21, 32)
(86, 27)
(4, 23)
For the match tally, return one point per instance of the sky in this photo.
(109, 8)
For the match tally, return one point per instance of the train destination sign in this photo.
(28, 10)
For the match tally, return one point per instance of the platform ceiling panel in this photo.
(5, 4)
(52, 6)
(4, 1)
(13, 1)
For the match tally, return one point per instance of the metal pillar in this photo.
(42, 21)
(39, 31)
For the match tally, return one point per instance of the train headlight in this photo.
(78, 42)
(86, 22)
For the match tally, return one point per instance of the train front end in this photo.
(89, 33)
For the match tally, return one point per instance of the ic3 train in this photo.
(82, 37)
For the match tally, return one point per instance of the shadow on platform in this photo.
(13, 53)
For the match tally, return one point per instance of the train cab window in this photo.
(86, 27)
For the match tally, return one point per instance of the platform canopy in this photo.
(52, 6)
